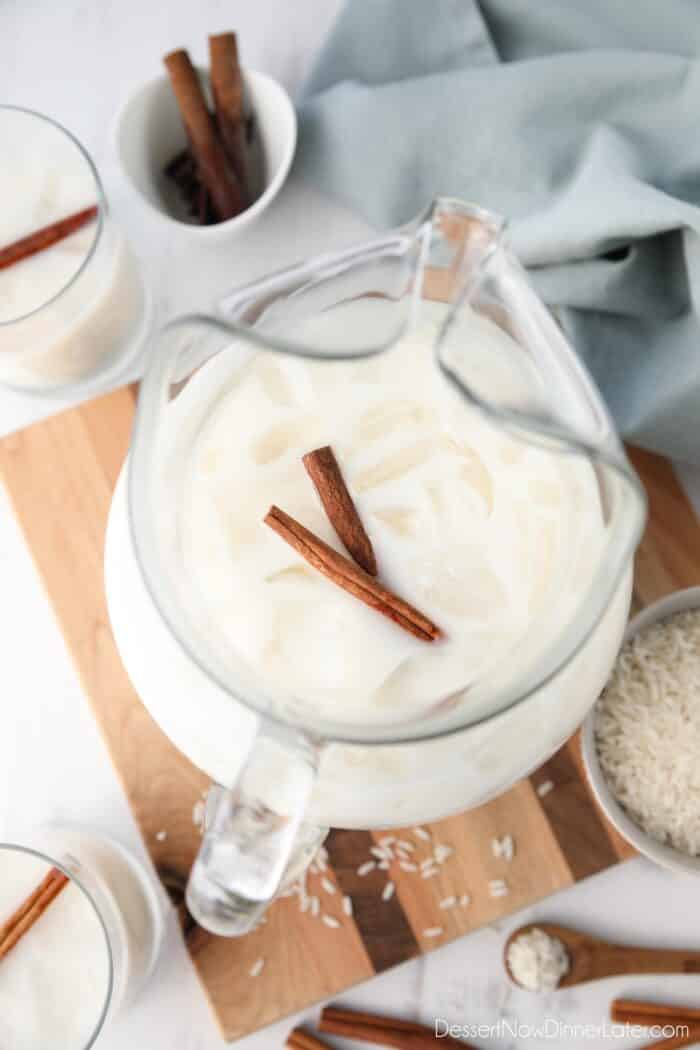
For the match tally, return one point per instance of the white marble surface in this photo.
(77, 61)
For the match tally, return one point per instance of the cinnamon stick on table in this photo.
(384, 1031)
(214, 169)
(344, 573)
(323, 469)
(227, 89)
(31, 909)
(632, 1011)
(676, 1042)
(45, 237)
(300, 1039)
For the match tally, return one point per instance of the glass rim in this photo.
(101, 211)
(574, 636)
(32, 851)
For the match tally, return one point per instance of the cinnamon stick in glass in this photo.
(45, 237)
(323, 469)
(213, 167)
(227, 89)
(346, 574)
(31, 909)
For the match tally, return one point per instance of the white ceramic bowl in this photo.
(666, 856)
(149, 133)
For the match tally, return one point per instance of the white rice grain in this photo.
(498, 888)
(441, 853)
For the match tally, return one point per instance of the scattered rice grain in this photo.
(441, 853)
(498, 888)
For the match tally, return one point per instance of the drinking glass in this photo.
(79, 328)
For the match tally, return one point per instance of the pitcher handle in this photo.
(251, 833)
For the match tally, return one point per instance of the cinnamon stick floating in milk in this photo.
(227, 89)
(213, 167)
(31, 909)
(45, 237)
(344, 573)
(323, 469)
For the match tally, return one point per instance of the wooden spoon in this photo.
(591, 958)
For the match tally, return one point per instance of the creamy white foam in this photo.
(492, 538)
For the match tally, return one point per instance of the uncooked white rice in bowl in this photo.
(646, 732)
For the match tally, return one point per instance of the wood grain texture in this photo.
(580, 829)
(383, 926)
(60, 475)
(669, 556)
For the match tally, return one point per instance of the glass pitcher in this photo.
(430, 341)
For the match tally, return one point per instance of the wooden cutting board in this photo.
(60, 475)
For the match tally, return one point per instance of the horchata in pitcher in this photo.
(371, 559)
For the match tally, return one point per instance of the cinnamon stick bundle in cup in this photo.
(214, 170)
(227, 89)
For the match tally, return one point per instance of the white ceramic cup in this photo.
(149, 133)
(666, 856)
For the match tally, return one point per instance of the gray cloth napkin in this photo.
(580, 122)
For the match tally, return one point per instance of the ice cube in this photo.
(276, 440)
(401, 521)
(395, 465)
